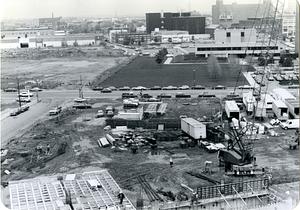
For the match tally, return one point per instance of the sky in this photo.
(11, 9)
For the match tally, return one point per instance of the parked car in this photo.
(182, 95)
(26, 94)
(10, 90)
(106, 90)
(155, 88)
(100, 113)
(110, 113)
(146, 95)
(35, 89)
(198, 87)
(219, 87)
(246, 87)
(23, 99)
(98, 88)
(125, 88)
(55, 111)
(129, 95)
(170, 87)
(164, 95)
(139, 88)
(113, 88)
(184, 87)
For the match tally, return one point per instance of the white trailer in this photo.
(282, 94)
(268, 99)
(232, 110)
(280, 110)
(249, 101)
(193, 128)
(293, 107)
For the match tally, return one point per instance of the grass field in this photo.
(146, 72)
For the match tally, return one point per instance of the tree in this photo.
(286, 60)
(161, 55)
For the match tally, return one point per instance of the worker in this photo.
(171, 162)
(121, 196)
(48, 149)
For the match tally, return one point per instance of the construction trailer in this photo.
(268, 100)
(193, 128)
(232, 110)
(280, 110)
(282, 94)
(249, 101)
(293, 107)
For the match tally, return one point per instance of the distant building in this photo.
(131, 38)
(289, 24)
(297, 42)
(112, 33)
(51, 23)
(175, 21)
(164, 36)
(239, 42)
(226, 14)
(262, 25)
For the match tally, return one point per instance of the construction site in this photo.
(110, 127)
(170, 152)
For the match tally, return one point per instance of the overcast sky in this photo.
(107, 8)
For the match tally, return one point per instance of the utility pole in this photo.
(194, 77)
(18, 86)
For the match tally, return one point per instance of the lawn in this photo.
(146, 72)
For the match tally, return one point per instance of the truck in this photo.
(193, 128)
(232, 110)
(290, 124)
(280, 110)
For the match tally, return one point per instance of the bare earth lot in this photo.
(53, 71)
(146, 72)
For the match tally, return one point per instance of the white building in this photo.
(238, 42)
(289, 24)
(165, 36)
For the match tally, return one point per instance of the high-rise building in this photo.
(175, 21)
(227, 14)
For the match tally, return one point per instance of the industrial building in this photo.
(226, 14)
(240, 42)
(89, 190)
(164, 36)
(175, 21)
(51, 40)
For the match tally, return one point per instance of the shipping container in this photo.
(193, 128)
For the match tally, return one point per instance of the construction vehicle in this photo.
(238, 154)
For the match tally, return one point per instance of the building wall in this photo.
(235, 35)
(239, 12)
(175, 21)
(153, 20)
(289, 24)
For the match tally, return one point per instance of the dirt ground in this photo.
(53, 71)
(80, 130)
